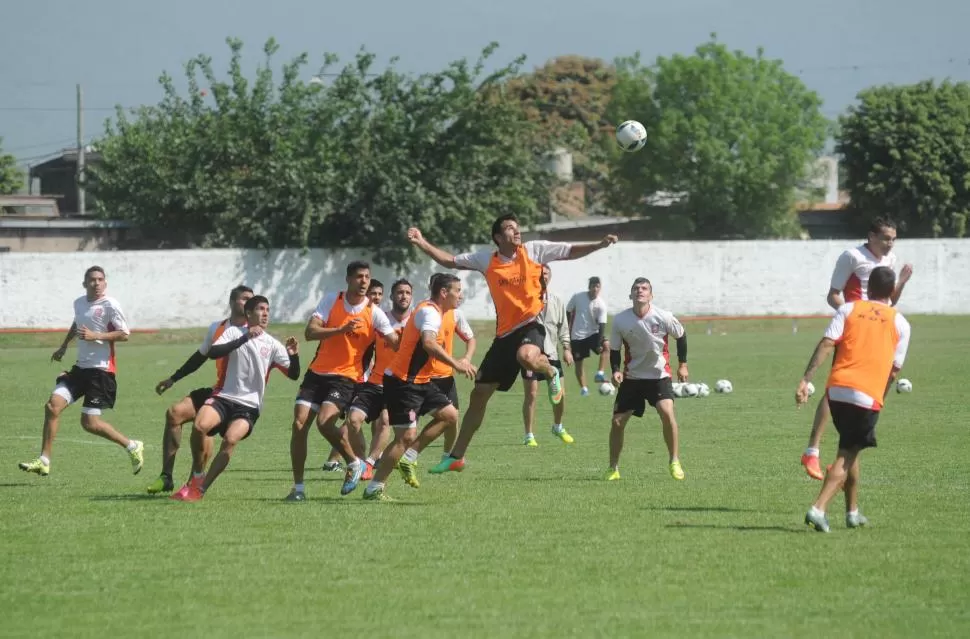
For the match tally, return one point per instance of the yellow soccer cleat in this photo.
(676, 471)
(409, 471)
(612, 474)
(137, 457)
(37, 466)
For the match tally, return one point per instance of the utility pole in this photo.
(80, 151)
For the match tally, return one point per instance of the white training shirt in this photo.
(589, 314)
(379, 318)
(834, 332)
(103, 315)
(852, 270)
(462, 328)
(645, 340)
(539, 251)
(249, 366)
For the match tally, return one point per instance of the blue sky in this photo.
(117, 49)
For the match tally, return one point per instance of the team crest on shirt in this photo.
(654, 328)
(98, 312)
(264, 352)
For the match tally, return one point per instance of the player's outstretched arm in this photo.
(220, 350)
(441, 256)
(577, 251)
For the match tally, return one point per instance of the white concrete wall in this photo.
(163, 289)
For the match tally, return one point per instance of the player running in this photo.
(645, 377)
(409, 391)
(870, 339)
(233, 408)
(587, 327)
(185, 410)
(98, 323)
(345, 324)
(849, 284)
(513, 273)
(556, 324)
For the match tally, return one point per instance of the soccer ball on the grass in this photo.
(691, 390)
(631, 136)
(606, 388)
(904, 386)
(723, 386)
(678, 389)
(703, 390)
(811, 388)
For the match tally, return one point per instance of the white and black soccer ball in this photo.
(606, 388)
(678, 388)
(691, 390)
(723, 386)
(703, 390)
(631, 136)
(904, 386)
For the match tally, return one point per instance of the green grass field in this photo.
(524, 543)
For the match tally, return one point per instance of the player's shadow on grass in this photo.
(132, 497)
(330, 500)
(702, 509)
(786, 529)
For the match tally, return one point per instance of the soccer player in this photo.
(98, 323)
(345, 324)
(556, 324)
(587, 327)
(513, 273)
(185, 410)
(645, 378)
(849, 282)
(233, 408)
(870, 339)
(442, 375)
(408, 389)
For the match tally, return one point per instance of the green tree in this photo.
(731, 137)
(352, 160)
(906, 154)
(11, 176)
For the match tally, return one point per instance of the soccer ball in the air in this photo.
(631, 136)
(606, 388)
(723, 386)
(904, 386)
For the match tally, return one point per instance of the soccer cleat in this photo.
(600, 377)
(332, 467)
(295, 495)
(37, 466)
(377, 495)
(137, 457)
(161, 485)
(352, 477)
(368, 473)
(676, 470)
(556, 390)
(819, 522)
(563, 435)
(409, 473)
(583, 392)
(448, 464)
(193, 483)
(810, 462)
(857, 520)
(530, 441)
(612, 474)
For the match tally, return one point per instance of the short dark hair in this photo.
(882, 283)
(401, 282)
(93, 269)
(237, 292)
(497, 224)
(357, 265)
(254, 301)
(879, 223)
(375, 283)
(593, 281)
(441, 281)
(641, 280)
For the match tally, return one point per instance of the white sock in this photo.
(601, 373)
(532, 435)
(557, 428)
(354, 464)
(371, 461)
(853, 513)
(298, 487)
(373, 487)
(411, 455)
(811, 452)
(45, 460)
(132, 445)
(585, 389)
(815, 511)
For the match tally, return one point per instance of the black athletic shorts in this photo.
(541, 377)
(333, 389)
(500, 365)
(230, 411)
(368, 399)
(856, 425)
(98, 387)
(635, 394)
(198, 397)
(449, 387)
(587, 346)
(406, 402)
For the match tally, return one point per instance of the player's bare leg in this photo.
(604, 357)
(810, 459)
(235, 433)
(327, 423)
(52, 418)
(472, 421)
(176, 417)
(97, 426)
(835, 480)
(380, 431)
(404, 437)
(665, 408)
(531, 357)
(531, 391)
(406, 460)
(617, 432)
(303, 417)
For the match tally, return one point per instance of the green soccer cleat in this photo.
(448, 464)
(36, 466)
(163, 484)
(564, 436)
(556, 390)
(409, 473)
(377, 495)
